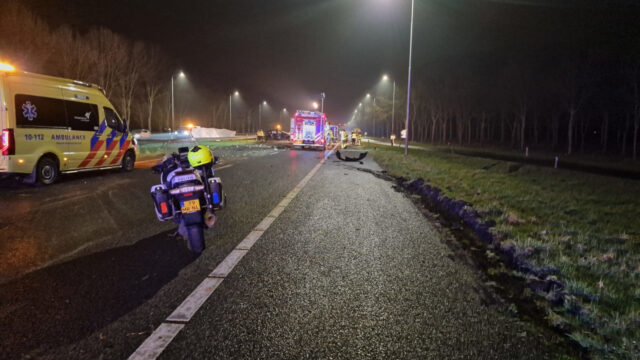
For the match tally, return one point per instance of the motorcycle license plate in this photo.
(190, 206)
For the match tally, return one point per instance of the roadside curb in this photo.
(542, 281)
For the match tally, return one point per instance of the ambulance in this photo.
(52, 126)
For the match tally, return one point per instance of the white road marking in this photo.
(192, 303)
(276, 211)
(224, 268)
(158, 341)
(155, 344)
(265, 223)
(248, 241)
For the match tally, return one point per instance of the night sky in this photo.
(288, 51)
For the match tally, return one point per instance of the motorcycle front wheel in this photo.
(195, 238)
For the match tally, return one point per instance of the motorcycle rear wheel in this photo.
(195, 238)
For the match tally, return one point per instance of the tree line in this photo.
(583, 100)
(130, 72)
(135, 75)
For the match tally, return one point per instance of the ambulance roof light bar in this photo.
(7, 67)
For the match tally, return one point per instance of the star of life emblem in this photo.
(29, 111)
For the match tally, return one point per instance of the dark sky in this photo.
(288, 51)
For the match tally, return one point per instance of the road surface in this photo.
(349, 269)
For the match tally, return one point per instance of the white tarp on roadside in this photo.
(201, 132)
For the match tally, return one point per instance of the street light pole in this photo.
(322, 106)
(406, 140)
(260, 106)
(230, 111)
(374, 116)
(173, 115)
(393, 105)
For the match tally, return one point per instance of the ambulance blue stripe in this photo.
(96, 136)
(111, 137)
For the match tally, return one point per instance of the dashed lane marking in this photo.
(155, 344)
(158, 341)
(184, 312)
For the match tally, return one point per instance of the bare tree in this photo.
(150, 74)
(26, 40)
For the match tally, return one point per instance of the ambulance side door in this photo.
(83, 122)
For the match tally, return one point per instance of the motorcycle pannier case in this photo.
(162, 201)
(217, 197)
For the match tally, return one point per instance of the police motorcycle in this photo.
(189, 193)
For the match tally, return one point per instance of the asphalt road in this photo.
(107, 270)
(350, 269)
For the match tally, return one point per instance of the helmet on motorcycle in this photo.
(199, 156)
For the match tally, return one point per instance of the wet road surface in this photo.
(350, 269)
(104, 296)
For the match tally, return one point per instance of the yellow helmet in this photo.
(199, 156)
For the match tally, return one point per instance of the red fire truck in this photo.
(307, 129)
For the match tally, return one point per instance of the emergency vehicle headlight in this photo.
(7, 67)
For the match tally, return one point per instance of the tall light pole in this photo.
(173, 112)
(406, 123)
(393, 101)
(260, 113)
(322, 106)
(393, 105)
(374, 116)
(236, 93)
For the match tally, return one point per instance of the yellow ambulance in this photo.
(52, 125)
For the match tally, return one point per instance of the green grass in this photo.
(153, 150)
(609, 161)
(586, 225)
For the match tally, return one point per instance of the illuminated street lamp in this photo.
(173, 113)
(236, 93)
(315, 105)
(393, 100)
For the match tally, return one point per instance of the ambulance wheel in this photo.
(128, 161)
(195, 240)
(47, 170)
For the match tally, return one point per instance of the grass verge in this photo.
(588, 226)
(543, 157)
